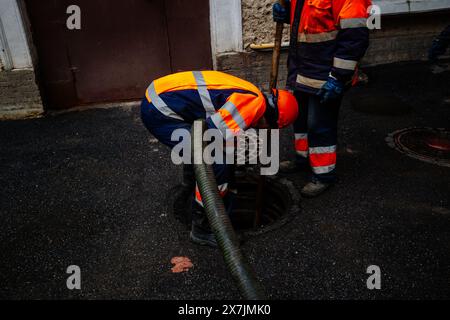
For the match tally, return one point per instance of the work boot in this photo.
(314, 188)
(203, 237)
(290, 167)
(201, 232)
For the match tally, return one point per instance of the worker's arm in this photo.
(352, 39)
(240, 112)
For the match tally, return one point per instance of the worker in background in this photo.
(228, 104)
(328, 39)
(440, 45)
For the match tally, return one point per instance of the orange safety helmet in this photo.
(286, 106)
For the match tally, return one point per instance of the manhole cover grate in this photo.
(280, 204)
(426, 144)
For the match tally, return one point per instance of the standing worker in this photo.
(228, 104)
(328, 39)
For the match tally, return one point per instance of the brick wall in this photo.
(405, 37)
(253, 66)
(19, 95)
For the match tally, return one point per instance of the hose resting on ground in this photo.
(227, 240)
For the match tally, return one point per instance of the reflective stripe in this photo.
(160, 104)
(321, 150)
(353, 23)
(223, 187)
(325, 169)
(317, 37)
(223, 190)
(345, 64)
(301, 136)
(301, 144)
(235, 114)
(323, 159)
(204, 93)
(309, 82)
(198, 197)
(227, 133)
(220, 124)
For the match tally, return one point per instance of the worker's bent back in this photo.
(230, 103)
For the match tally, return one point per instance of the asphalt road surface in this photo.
(92, 188)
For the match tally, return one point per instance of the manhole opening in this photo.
(426, 144)
(278, 205)
(275, 204)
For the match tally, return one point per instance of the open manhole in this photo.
(426, 144)
(280, 203)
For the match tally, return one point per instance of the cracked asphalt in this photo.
(92, 188)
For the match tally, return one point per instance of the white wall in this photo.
(226, 26)
(15, 53)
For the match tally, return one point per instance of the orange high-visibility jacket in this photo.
(331, 36)
(227, 102)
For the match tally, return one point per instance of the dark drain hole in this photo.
(278, 204)
(244, 207)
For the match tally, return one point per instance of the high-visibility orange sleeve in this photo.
(240, 112)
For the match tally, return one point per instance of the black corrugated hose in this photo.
(227, 240)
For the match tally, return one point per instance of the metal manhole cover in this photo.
(427, 144)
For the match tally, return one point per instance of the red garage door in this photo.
(121, 47)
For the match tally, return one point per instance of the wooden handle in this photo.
(276, 51)
(272, 85)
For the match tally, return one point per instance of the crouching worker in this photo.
(228, 104)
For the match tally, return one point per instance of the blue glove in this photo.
(333, 89)
(282, 14)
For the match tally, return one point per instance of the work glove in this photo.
(437, 49)
(333, 89)
(282, 14)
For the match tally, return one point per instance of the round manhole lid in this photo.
(427, 144)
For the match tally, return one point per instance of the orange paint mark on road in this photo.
(181, 264)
